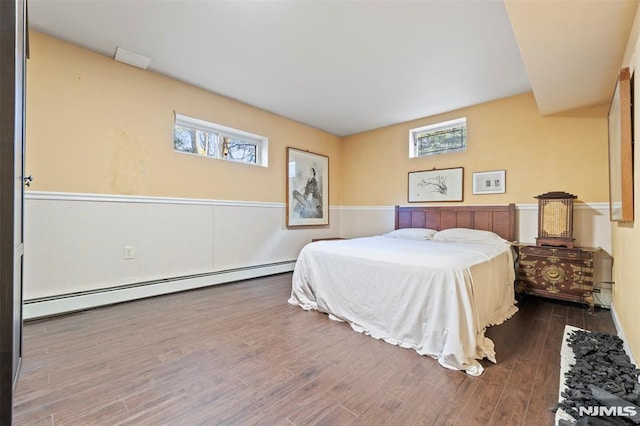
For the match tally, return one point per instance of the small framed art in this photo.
(436, 185)
(489, 182)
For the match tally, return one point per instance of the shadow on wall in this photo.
(592, 227)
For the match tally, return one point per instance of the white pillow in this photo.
(412, 233)
(466, 235)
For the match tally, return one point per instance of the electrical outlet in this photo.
(129, 252)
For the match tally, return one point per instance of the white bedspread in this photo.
(435, 297)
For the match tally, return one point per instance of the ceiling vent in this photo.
(132, 58)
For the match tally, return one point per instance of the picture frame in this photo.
(307, 188)
(436, 185)
(621, 150)
(491, 182)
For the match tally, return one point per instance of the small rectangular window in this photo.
(440, 138)
(239, 150)
(199, 137)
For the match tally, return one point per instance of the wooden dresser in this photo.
(556, 272)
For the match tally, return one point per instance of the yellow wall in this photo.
(539, 154)
(98, 126)
(626, 237)
(95, 125)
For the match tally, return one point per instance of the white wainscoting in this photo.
(366, 221)
(74, 246)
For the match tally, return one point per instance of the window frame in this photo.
(433, 128)
(261, 142)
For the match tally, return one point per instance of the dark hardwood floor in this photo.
(239, 354)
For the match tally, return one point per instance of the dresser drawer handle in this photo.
(553, 273)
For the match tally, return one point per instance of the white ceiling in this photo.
(350, 66)
(572, 50)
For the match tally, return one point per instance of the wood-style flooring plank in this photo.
(478, 409)
(514, 401)
(337, 416)
(380, 410)
(544, 395)
(240, 354)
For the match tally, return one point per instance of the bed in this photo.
(436, 295)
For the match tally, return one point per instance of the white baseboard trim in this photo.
(616, 322)
(50, 306)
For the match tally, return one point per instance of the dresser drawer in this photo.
(561, 253)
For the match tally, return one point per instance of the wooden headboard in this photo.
(499, 219)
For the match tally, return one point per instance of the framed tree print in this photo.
(307, 188)
(436, 185)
